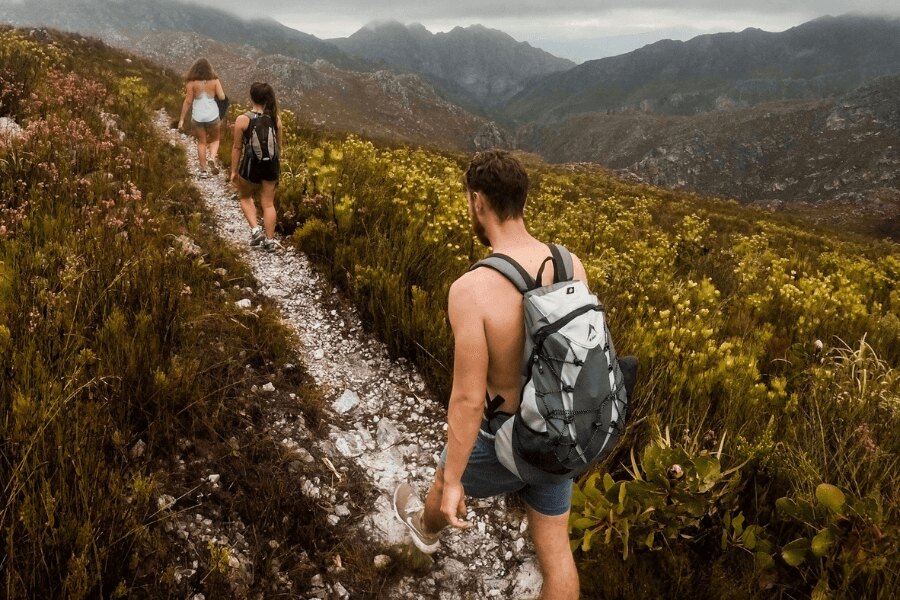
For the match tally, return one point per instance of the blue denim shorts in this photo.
(485, 476)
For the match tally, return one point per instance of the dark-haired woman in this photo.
(251, 174)
(200, 93)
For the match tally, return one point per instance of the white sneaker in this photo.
(257, 236)
(409, 509)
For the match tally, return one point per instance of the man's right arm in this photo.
(466, 407)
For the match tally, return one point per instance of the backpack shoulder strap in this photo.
(251, 116)
(509, 268)
(563, 268)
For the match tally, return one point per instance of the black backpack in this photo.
(261, 138)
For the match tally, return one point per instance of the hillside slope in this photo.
(768, 387)
(380, 104)
(843, 152)
(127, 370)
(123, 22)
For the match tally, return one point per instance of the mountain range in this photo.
(821, 58)
(326, 86)
(120, 22)
(475, 65)
(800, 116)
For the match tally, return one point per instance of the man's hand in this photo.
(453, 505)
(181, 124)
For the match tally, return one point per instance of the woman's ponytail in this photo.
(264, 95)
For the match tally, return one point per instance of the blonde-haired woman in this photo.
(201, 90)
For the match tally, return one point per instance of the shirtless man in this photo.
(486, 315)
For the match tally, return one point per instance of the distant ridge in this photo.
(119, 22)
(821, 58)
(474, 65)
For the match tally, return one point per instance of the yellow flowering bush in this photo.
(733, 313)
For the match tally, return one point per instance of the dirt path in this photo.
(380, 416)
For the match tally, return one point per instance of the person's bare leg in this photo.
(267, 201)
(433, 519)
(245, 196)
(551, 542)
(213, 141)
(200, 132)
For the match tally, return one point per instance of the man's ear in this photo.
(478, 202)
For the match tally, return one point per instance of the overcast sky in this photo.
(577, 29)
(569, 27)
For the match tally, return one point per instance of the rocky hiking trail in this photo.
(380, 419)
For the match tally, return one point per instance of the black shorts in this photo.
(257, 172)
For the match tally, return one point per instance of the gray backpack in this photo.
(575, 394)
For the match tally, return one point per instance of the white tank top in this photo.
(204, 109)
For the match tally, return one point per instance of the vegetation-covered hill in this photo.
(761, 455)
(122, 351)
(791, 120)
(761, 459)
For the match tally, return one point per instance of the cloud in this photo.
(465, 10)
(563, 19)
(555, 22)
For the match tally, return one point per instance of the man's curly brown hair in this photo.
(502, 179)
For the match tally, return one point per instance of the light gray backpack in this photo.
(575, 393)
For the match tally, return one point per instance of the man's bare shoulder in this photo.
(468, 287)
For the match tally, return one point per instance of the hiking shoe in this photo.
(410, 510)
(269, 245)
(257, 236)
(204, 174)
(213, 167)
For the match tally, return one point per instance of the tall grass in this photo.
(110, 331)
